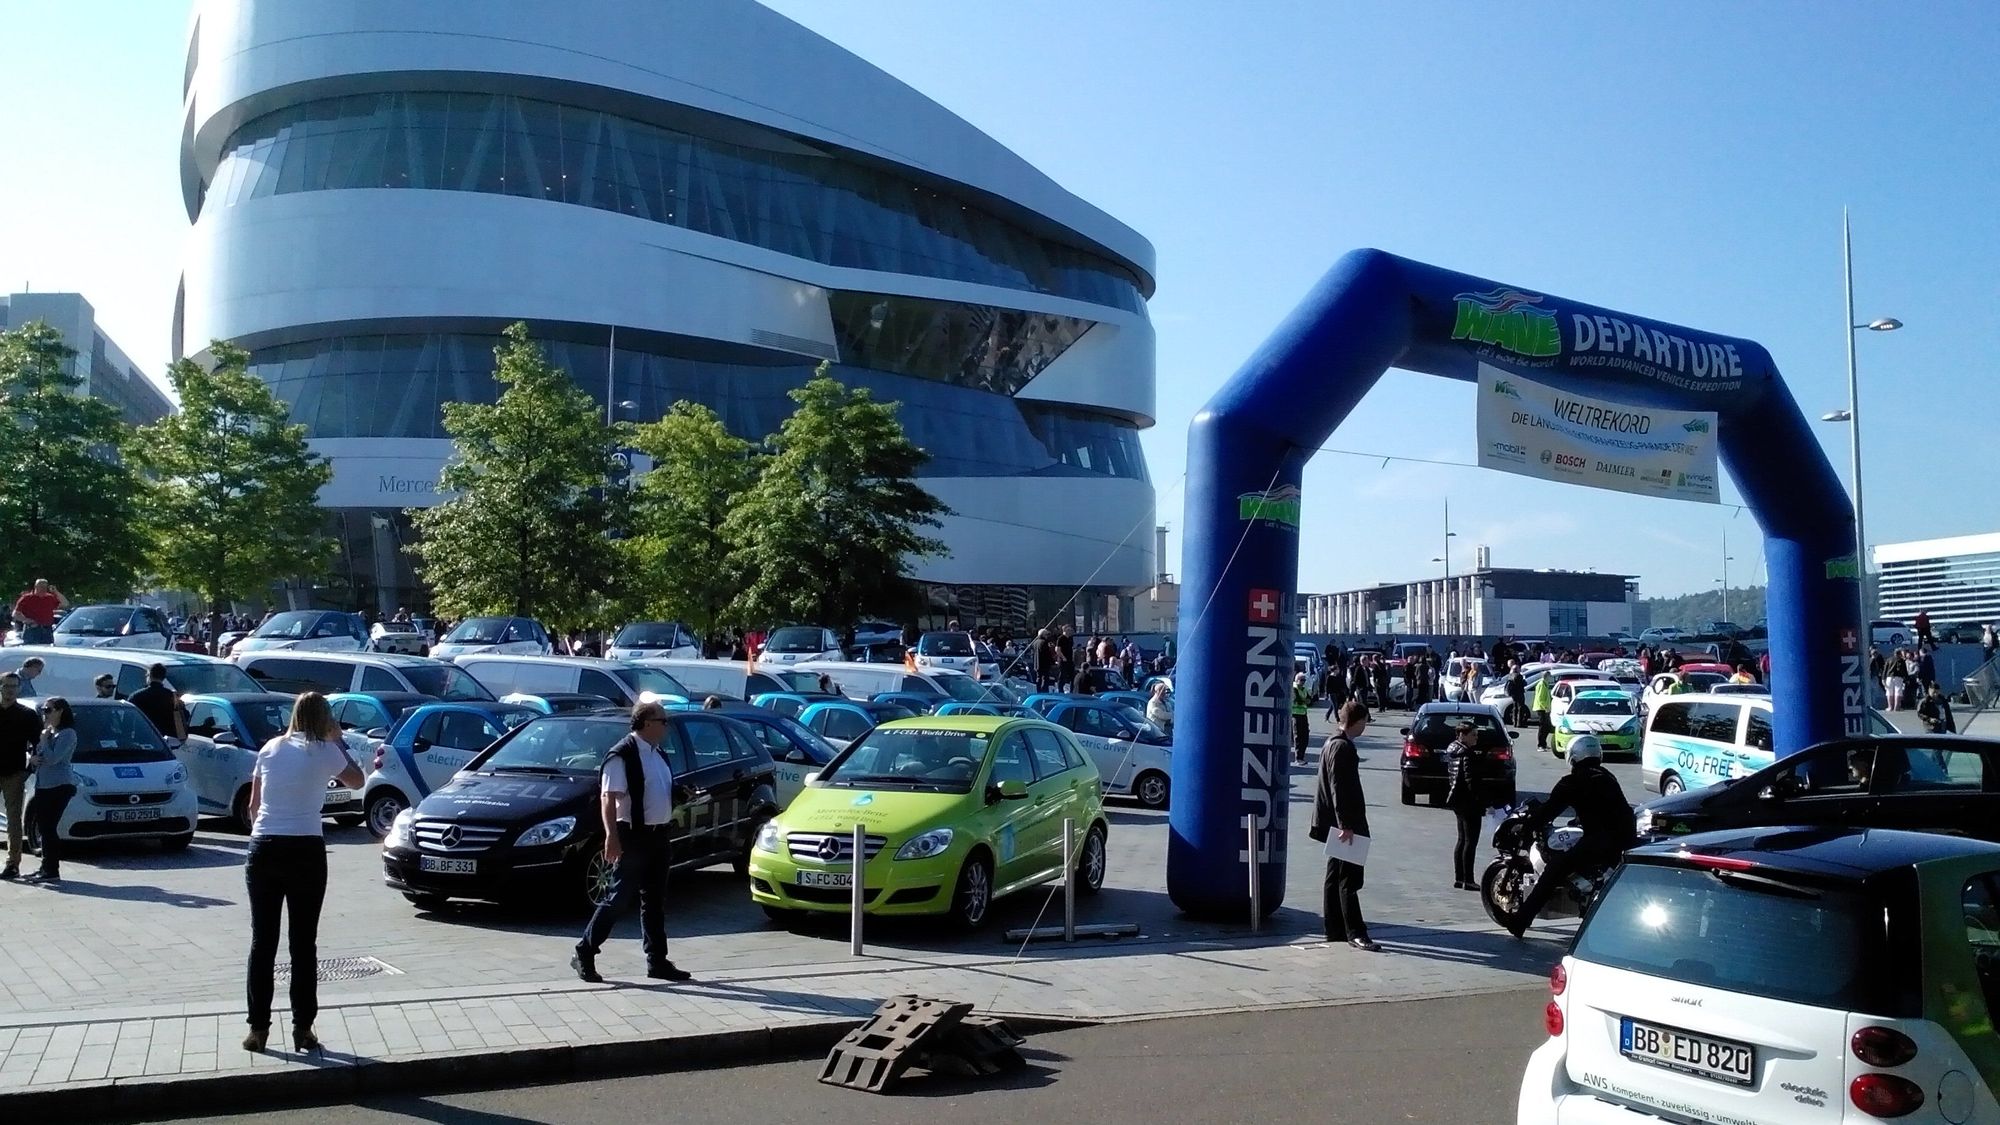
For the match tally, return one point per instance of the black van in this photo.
(523, 817)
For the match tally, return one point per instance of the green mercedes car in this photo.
(956, 812)
(1611, 716)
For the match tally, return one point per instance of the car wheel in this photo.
(177, 843)
(383, 809)
(1670, 784)
(1558, 749)
(239, 810)
(1409, 795)
(1090, 862)
(789, 919)
(598, 879)
(1153, 789)
(426, 902)
(972, 901)
(349, 820)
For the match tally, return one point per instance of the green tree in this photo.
(525, 529)
(828, 531)
(67, 499)
(233, 489)
(679, 560)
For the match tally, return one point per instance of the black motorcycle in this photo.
(1525, 850)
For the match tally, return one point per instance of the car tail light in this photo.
(1883, 1046)
(378, 756)
(1885, 1095)
(1552, 1019)
(1503, 755)
(1558, 980)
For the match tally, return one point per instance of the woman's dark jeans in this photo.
(1466, 853)
(50, 804)
(285, 873)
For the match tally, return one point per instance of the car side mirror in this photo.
(1122, 735)
(1013, 789)
(1405, 732)
(797, 756)
(420, 744)
(1512, 735)
(378, 733)
(226, 738)
(812, 779)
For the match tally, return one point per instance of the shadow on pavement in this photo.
(1494, 950)
(127, 893)
(425, 1109)
(770, 999)
(1031, 1077)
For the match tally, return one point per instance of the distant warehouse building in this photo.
(105, 373)
(1488, 602)
(686, 200)
(1955, 580)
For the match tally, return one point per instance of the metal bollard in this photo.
(859, 899)
(1256, 880)
(1069, 878)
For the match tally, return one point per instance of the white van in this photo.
(624, 684)
(731, 679)
(72, 672)
(861, 681)
(1697, 739)
(367, 672)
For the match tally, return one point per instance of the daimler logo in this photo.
(829, 848)
(450, 836)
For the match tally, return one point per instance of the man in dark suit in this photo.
(1339, 808)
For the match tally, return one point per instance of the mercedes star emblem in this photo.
(450, 836)
(829, 848)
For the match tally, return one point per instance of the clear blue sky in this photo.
(1686, 161)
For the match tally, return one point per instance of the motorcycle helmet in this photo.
(1586, 748)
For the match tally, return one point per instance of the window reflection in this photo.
(787, 197)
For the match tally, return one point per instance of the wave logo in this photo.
(1695, 425)
(1277, 505)
(1509, 320)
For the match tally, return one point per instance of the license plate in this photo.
(1698, 1055)
(825, 879)
(336, 797)
(132, 814)
(448, 866)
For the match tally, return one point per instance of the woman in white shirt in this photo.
(287, 866)
(1160, 711)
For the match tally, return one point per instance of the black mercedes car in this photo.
(523, 817)
(1424, 742)
(1923, 782)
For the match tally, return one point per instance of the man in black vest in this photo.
(637, 801)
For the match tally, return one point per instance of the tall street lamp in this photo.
(1852, 415)
(1451, 603)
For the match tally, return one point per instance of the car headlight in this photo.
(84, 780)
(924, 845)
(770, 839)
(176, 777)
(1629, 726)
(547, 832)
(399, 830)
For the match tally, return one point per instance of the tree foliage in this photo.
(232, 498)
(1689, 611)
(827, 531)
(680, 564)
(524, 531)
(66, 497)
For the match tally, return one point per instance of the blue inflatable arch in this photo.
(1247, 451)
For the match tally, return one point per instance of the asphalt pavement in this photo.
(1455, 1060)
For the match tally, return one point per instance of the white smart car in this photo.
(129, 786)
(799, 644)
(511, 636)
(113, 626)
(1779, 974)
(225, 732)
(428, 746)
(305, 630)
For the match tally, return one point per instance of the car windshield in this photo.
(294, 625)
(265, 719)
(1437, 727)
(1601, 705)
(117, 735)
(965, 689)
(444, 681)
(641, 679)
(563, 745)
(204, 678)
(1702, 681)
(944, 644)
(795, 681)
(795, 638)
(396, 626)
(819, 748)
(1137, 718)
(909, 757)
(647, 634)
(1743, 932)
(96, 621)
(479, 631)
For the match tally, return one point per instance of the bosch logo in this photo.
(1568, 461)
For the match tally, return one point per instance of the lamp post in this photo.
(1852, 415)
(1727, 558)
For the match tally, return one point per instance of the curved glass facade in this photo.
(395, 385)
(811, 204)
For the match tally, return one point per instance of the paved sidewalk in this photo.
(150, 1061)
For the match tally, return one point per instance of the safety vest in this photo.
(1544, 694)
(1301, 699)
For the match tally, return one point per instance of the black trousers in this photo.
(1301, 730)
(1543, 728)
(1342, 902)
(1466, 852)
(286, 875)
(1561, 866)
(48, 807)
(645, 855)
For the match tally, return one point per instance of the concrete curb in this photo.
(341, 1078)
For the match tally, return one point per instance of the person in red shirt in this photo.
(35, 612)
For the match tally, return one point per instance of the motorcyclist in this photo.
(1602, 812)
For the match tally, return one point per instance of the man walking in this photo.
(35, 612)
(31, 670)
(1339, 808)
(1301, 715)
(20, 729)
(1544, 700)
(637, 803)
(161, 706)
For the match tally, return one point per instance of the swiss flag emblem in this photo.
(1264, 606)
(1849, 641)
